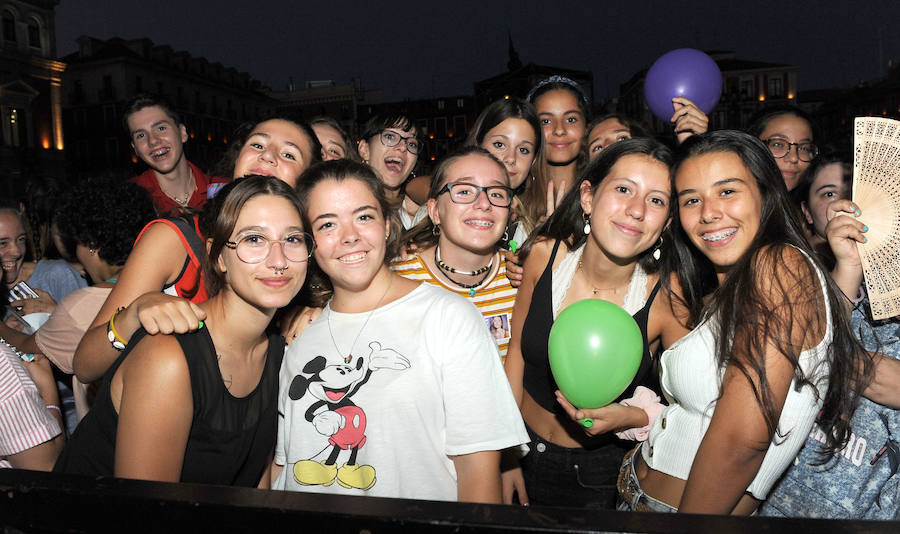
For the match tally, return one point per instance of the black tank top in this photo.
(231, 439)
(538, 380)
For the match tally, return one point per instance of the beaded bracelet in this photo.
(114, 339)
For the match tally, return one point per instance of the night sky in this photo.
(426, 49)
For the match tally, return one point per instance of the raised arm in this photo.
(157, 259)
(739, 434)
(515, 362)
(155, 409)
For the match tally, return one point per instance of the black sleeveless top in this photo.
(538, 380)
(231, 439)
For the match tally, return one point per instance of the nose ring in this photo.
(280, 270)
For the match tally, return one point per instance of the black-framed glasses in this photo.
(391, 138)
(254, 248)
(466, 193)
(782, 147)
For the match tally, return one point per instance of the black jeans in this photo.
(573, 477)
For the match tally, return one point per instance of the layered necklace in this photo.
(349, 357)
(23, 356)
(471, 287)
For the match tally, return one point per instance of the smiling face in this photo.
(791, 129)
(156, 139)
(274, 281)
(276, 148)
(350, 232)
(475, 227)
(392, 164)
(720, 206)
(604, 134)
(513, 142)
(629, 208)
(827, 187)
(333, 146)
(563, 123)
(12, 245)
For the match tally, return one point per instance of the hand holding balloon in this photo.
(595, 350)
(613, 416)
(683, 72)
(688, 120)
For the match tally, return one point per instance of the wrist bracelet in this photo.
(55, 408)
(114, 339)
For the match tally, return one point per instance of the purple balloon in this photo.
(683, 72)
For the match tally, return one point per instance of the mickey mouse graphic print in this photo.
(421, 384)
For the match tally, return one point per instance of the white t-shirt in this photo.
(421, 383)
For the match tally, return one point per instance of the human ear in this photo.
(184, 135)
(587, 196)
(806, 213)
(363, 149)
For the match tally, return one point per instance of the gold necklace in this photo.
(595, 289)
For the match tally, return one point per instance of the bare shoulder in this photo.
(158, 359)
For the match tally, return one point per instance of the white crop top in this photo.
(691, 378)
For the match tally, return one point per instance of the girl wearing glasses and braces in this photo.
(790, 135)
(458, 245)
(389, 144)
(396, 389)
(200, 407)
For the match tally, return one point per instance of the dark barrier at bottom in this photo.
(44, 502)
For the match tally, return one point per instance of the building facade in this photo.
(31, 125)
(103, 75)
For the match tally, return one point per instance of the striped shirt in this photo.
(494, 297)
(25, 422)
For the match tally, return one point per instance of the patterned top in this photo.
(494, 297)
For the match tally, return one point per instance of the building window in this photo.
(109, 117)
(460, 103)
(746, 88)
(422, 128)
(776, 89)
(9, 27)
(34, 34)
(459, 125)
(138, 84)
(17, 132)
(440, 127)
(108, 89)
(440, 104)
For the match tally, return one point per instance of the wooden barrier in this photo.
(45, 502)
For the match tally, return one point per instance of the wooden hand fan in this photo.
(876, 190)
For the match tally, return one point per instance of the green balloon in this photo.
(595, 350)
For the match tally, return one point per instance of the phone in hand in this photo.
(21, 291)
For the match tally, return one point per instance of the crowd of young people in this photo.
(417, 362)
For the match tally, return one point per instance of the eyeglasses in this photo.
(781, 148)
(389, 138)
(254, 248)
(466, 193)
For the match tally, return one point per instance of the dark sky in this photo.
(423, 49)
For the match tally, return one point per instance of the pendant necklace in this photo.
(471, 287)
(349, 356)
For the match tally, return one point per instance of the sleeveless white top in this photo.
(691, 381)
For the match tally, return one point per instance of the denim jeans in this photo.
(631, 497)
(572, 477)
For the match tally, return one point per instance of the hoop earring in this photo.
(587, 223)
(436, 230)
(657, 253)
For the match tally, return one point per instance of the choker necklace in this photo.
(444, 266)
(470, 287)
(349, 357)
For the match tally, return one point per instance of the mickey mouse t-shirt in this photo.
(379, 405)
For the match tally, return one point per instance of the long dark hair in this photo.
(532, 200)
(423, 235)
(756, 305)
(567, 222)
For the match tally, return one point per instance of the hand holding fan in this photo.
(876, 190)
